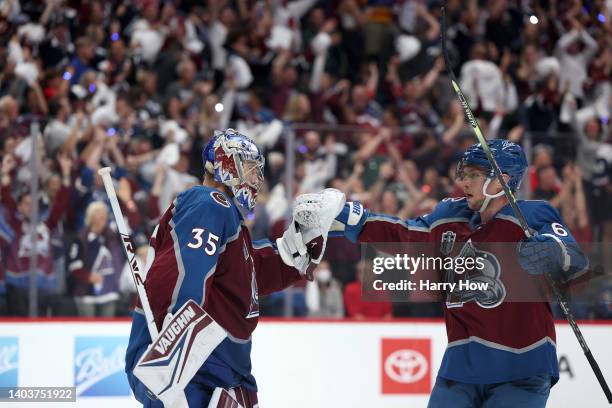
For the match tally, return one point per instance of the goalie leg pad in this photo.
(238, 397)
(177, 354)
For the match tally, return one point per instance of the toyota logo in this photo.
(406, 366)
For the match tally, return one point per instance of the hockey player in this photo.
(499, 353)
(203, 252)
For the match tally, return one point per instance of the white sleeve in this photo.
(300, 7)
(218, 34)
(467, 83)
(566, 40)
(126, 281)
(511, 100)
(590, 46)
(227, 100)
(312, 297)
(499, 92)
(317, 73)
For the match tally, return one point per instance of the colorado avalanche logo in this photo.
(220, 199)
(254, 307)
(495, 291)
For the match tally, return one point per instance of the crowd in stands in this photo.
(357, 87)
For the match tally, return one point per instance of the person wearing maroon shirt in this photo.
(18, 253)
(6, 236)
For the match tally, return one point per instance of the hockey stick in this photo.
(129, 250)
(519, 215)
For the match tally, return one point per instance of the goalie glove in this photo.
(306, 238)
(292, 250)
(315, 214)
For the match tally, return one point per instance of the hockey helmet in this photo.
(235, 161)
(509, 157)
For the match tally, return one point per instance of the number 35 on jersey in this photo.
(210, 247)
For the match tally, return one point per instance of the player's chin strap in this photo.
(488, 197)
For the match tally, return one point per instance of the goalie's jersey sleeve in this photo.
(487, 342)
(203, 251)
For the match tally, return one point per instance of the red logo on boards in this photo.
(406, 366)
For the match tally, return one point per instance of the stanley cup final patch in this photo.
(447, 242)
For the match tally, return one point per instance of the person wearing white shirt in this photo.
(482, 81)
(573, 60)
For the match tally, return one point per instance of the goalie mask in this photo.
(509, 157)
(235, 161)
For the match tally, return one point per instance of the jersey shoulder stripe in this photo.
(449, 210)
(537, 213)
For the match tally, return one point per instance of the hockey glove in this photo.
(544, 253)
(292, 249)
(315, 214)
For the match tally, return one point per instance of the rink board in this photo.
(297, 363)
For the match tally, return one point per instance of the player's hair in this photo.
(93, 208)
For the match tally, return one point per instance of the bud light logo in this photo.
(9, 357)
(99, 366)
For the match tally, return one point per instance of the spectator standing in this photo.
(324, 294)
(573, 207)
(18, 254)
(482, 81)
(574, 59)
(95, 263)
(319, 162)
